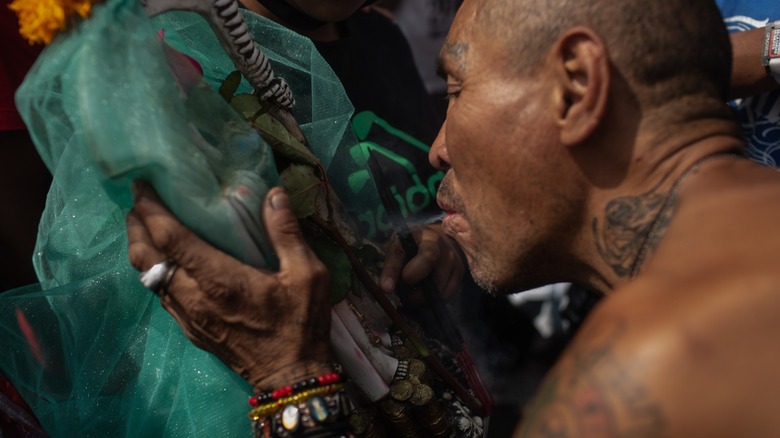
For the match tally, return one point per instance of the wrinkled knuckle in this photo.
(219, 292)
(316, 274)
(319, 271)
(232, 293)
(199, 318)
(242, 282)
(135, 253)
(432, 250)
(288, 228)
(166, 238)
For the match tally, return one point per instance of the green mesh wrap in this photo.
(90, 348)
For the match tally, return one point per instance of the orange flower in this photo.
(40, 20)
(82, 7)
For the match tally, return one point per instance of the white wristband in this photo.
(771, 55)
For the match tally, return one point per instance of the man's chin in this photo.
(481, 267)
(482, 275)
(487, 284)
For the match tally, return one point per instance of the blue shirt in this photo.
(760, 115)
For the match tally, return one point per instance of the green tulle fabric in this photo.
(90, 348)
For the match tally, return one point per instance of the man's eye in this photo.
(451, 95)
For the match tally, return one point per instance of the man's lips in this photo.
(449, 222)
(454, 222)
(445, 206)
(444, 199)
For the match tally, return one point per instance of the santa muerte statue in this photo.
(188, 101)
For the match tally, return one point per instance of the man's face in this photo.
(500, 144)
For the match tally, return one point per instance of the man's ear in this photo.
(582, 73)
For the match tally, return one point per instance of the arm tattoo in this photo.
(595, 395)
(632, 224)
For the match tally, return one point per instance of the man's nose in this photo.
(437, 156)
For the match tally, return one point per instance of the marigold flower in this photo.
(40, 20)
(82, 7)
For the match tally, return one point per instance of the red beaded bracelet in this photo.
(314, 382)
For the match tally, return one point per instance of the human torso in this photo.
(689, 348)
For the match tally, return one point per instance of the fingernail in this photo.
(388, 284)
(280, 201)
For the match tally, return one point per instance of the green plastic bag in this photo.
(90, 349)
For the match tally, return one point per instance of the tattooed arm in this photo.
(593, 392)
(671, 357)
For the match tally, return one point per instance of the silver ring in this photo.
(159, 276)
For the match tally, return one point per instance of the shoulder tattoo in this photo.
(593, 394)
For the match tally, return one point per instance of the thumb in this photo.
(284, 231)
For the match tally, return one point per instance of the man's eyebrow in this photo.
(451, 53)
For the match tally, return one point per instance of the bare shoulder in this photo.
(689, 348)
(659, 364)
(594, 390)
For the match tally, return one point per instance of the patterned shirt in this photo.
(760, 114)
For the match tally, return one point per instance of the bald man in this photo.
(586, 142)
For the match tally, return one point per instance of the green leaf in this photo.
(229, 86)
(338, 266)
(247, 105)
(282, 142)
(303, 186)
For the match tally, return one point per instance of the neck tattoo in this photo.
(658, 226)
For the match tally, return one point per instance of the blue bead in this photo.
(318, 409)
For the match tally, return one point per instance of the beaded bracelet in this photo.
(320, 411)
(279, 404)
(286, 391)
